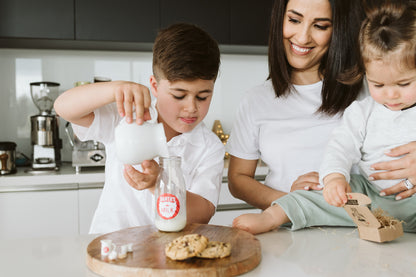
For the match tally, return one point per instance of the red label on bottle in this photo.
(167, 206)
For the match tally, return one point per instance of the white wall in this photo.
(19, 67)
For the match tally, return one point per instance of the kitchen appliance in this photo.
(44, 127)
(85, 153)
(7, 157)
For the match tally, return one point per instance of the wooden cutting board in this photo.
(148, 257)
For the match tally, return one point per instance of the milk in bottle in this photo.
(170, 196)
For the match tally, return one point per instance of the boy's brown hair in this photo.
(185, 52)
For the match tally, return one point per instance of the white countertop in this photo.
(307, 252)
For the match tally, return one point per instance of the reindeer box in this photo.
(369, 227)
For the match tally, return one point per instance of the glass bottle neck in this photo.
(172, 161)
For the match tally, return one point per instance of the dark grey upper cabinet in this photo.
(116, 20)
(249, 21)
(211, 15)
(127, 24)
(46, 19)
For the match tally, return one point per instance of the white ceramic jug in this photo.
(137, 143)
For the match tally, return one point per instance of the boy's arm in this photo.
(198, 209)
(77, 105)
(205, 185)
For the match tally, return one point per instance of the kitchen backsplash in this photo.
(19, 67)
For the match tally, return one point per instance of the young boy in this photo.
(370, 128)
(185, 66)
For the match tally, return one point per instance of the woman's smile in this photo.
(300, 50)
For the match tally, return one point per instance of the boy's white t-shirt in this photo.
(286, 133)
(121, 206)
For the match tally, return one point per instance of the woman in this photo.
(286, 121)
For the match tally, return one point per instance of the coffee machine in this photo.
(85, 153)
(89, 153)
(44, 127)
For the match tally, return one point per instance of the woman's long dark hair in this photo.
(342, 55)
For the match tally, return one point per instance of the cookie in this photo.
(186, 246)
(215, 249)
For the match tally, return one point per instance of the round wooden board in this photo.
(149, 259)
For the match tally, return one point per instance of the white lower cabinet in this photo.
(88, 202)
(59, 212)
(38, 213)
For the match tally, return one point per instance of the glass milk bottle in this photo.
(170, 196)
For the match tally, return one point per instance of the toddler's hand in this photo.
(129, 95)
(142, 180)
(336, 187)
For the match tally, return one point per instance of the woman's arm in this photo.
(242, 184)
(402, 168)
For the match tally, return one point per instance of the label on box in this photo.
(357, 209)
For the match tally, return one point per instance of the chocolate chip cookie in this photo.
(186, 246)
(215, 249)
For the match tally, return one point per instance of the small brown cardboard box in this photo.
(369, 228)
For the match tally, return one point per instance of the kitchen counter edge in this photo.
(66, 178)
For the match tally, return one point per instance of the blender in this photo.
(44, 127)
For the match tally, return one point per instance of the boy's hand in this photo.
(335, 189)
(129, 95)
(142, 180)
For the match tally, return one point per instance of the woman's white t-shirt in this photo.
(121, 206)
(286, 133)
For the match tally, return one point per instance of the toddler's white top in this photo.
(367, 131)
